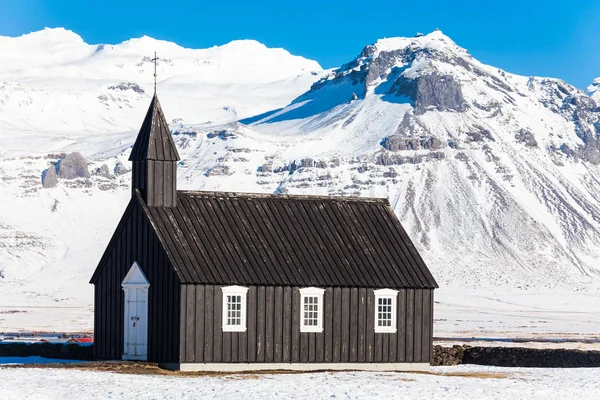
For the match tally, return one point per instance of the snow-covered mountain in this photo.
(494, 175)
(594, 89)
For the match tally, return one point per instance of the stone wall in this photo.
(69, 351)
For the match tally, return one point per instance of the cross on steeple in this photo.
(155, 61)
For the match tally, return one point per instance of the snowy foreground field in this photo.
(464, 382)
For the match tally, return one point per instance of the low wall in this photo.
(515, 357)
(68, 351)
(497, 356)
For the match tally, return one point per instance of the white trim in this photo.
(241, 367)
(235, 291)
(135, 278)
(312, 292)
(382, 294)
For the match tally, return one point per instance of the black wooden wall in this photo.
(273, 328)
(157, 181)
(135, 240)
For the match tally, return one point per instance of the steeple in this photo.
(154, 156)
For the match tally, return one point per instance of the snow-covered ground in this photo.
(460, 382)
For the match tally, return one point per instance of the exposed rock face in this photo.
(73, 166)
(219, 170)
(526, 137)
(49, 178)
(432, 91)
(398, 143)
(123, 86)
(221, 134)
(104, 171)
(121, 169)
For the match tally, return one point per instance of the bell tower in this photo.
(154, 157)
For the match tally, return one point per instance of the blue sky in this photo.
(529, 37)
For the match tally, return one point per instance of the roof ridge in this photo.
(307, 197)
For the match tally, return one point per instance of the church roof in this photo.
(154, 141)
(267, 239)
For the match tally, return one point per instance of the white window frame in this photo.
(312, 292)
(234, 291)
(386, 294)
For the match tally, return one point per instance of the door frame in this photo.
(135, 279)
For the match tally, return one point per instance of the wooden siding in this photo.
(135, 240)
(273, 327)
(156, 181)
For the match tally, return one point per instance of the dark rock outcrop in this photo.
(431, 91)
(103, 171)
(221, 134)
(120, 169)
(49, 178)
(399, 143)
(526, 137)
(73, 166)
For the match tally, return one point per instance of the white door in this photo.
(136, 320)
(135, 285)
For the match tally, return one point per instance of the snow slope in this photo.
(66, 94)
(494, 175)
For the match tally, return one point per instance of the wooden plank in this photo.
(260, 325)
(251, 324)
(312, 343)
(235, 341)
(418, 324)
(208, 323)
(337, 324)
(190, 322)
(328, 325)
(295, 325)
(410, 324)
(218, 324)
(401, 326)
(286, 349)
(269, 328)
(304, 347)
(378, 347)
(345, 325)
(370, 329)
(278, 324)
(426, 339)
(361, 323)
(385, 347)
(199, 322)
(353, 327)
(182, 329)
(226, 346)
